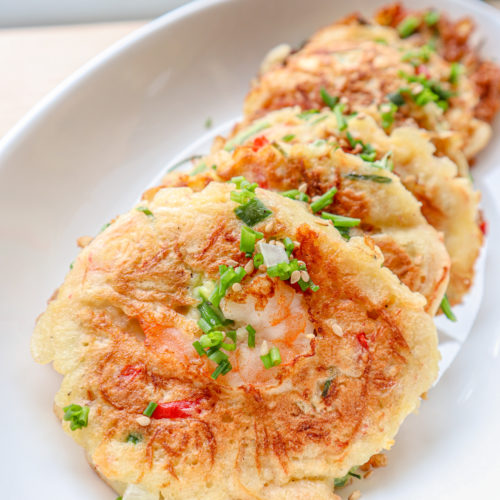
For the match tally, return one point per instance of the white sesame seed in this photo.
(310, 336)
(417, 89)
(305, 276)
(236, 287)
(303, 187)
(337, 329)
(301, 263)
(315, 198)
(295, 276)
(143, 420)
(249, 267)
(269, 227)
(263, 268)
(279, 244)
(322, 222)
(231, 262)
(263, 348)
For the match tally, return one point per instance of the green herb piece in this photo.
(134, 438)
(199, 348)
(295, 194)
(229, 277)
(258, 260)
(382, 41)
(381, 179)
(150, 409)
(341, 121)
(341, 220)
(252, 212)
(385, 162)
(344, 232)
(456, 70)
(244, 135)
(396, 98)
(431, 17)
(77, 415)
(408, 26)
(208, 123)
(222, 368)
(319, 120)
(251, 335)
(248, 239)
(342, 481)
(328, 99)
(324, 200)
(305, 115)
(145, 211)
(326, 388)
(72, 265)
(242, 183)
(419, 56)
(198, 169)
(105, 226)
(278, 148)
(446, 308)
(218, 357)
(289, 246)
(387, 116)
(275, 356)
(211, 339)
(230, 347)
(266, 360)
(367, 153)
(288, 137)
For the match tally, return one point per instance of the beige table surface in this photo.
(35, 60)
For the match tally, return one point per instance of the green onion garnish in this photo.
(362, 177)
(385, 162)
(248, 239)
(455, 71)
(133, 438)
(305, 115)
(266, 360)
(258, 260)
(278, 148)
(341, 121)
(326, 388)
(229, 277)
(252, 212)
(289, 245)
(446, 308)
(396, 98)
(208, 122)
(77, 415)
(275, 355)
(198, 169)
(408, 26)
(150, 409)
(388, 115)
(105, 226)
(251, 335)
(223, 368)
(344, 232)
(324, 200)
(245, 134)
(199, 348)
(288, 137)
(145, 211)
(328, 99)
(431, 17)
(341, 220)
(295, 194)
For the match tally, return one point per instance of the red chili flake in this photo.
(131, 372)
(175, 409)
(259, 142)
(362, 340)
(423, 70)
(483, 226)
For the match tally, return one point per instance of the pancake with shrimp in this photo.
(229, 344)
(448, 200)
(361, 67)
(366, 198)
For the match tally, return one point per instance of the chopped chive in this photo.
(357, 476)
(319, 120)
(252, 212)
(208, 123)
(218, 357)
(324, 200)
(344, 232)
(245, 134)
(248, 239)
(105, 226)
(198, 169)
(77, 415)
(328, 99)
(251, 335)
(396, 98)
(278, 148)
(388, 115)
(258, 260)
(218, 371)
(326, 388)
(72, 265)
(134, 438)
(295, 194)
(211, 339)
(266, 360)
(455, 71)
(408, 26)
(305, 115)
(381, 179)
(341, 220)
(150, 409)
(288, 137)
(431, 17)
(204, 325)
(199, 348)
(446, 308)
(275, 356)
(341, 121)
(145, 211)
(382, 41)
(289, 245)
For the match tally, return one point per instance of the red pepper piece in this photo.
(259, 142)
(362, 340)
(175, 409)
(423, 70)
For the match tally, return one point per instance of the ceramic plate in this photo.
(86, 153)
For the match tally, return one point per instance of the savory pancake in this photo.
(369, 68)
(229, 344)
(373, 197)
(449, 201)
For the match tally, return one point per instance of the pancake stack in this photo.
(260, 327)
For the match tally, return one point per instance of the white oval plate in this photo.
(87, 152)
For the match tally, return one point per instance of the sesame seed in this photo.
(269, 227)
(315, 198)
(301, 263)
(417, 89)
(310, 336)
(263, 348)
(305, 276)
(303, 187)
(236, 287)
(295, 276)
(143, 420)
(322, 222)
(336, 328)
(263, 268)
(249, 267)
(279, 244)
(231, 262)
(355, 495)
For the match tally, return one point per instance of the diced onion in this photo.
(273, 254)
